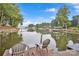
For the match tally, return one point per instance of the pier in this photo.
(33, 52)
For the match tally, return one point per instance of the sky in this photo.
(34, 13)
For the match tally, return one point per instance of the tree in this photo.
(30, 25)
(61, 16)
(75, 20)
(9, 13)
(53, 23)
(69, 24)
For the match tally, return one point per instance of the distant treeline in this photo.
(61, 20)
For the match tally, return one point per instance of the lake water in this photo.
(32, 38)
(58, 40)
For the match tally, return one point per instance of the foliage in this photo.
(8, 40)
(9, 13)
(61, 40)
(61, 17)
(75, 20)
(69, 24)
(43, 25)
(30, 25)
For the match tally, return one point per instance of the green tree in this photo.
(75, 21)
(30, 25)
(61, 16)
(69, 24)
(9, 13)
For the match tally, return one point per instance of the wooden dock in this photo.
(6, 53)
(33, 52)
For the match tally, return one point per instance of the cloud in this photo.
(75, 5)
(25, 23)
(52, 17)
(51, 10)
(44, 19)
(35, 21)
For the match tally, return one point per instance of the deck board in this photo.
(34, 52)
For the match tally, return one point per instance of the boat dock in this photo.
(33, 52)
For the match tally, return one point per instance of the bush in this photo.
(78, 26)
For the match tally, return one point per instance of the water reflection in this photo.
(62, 39)
(74, 37)
(7, 40)
(57, 39)
(32, 38)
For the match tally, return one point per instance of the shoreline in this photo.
(8, 29)
(13, 29)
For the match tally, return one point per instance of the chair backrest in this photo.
(46, 43)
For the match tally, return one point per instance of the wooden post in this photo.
(41, 39)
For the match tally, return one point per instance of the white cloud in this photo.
(77, 10)
(75, 5)
(52, 17)
(38, 20)
(51, 10)
(26, 23)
